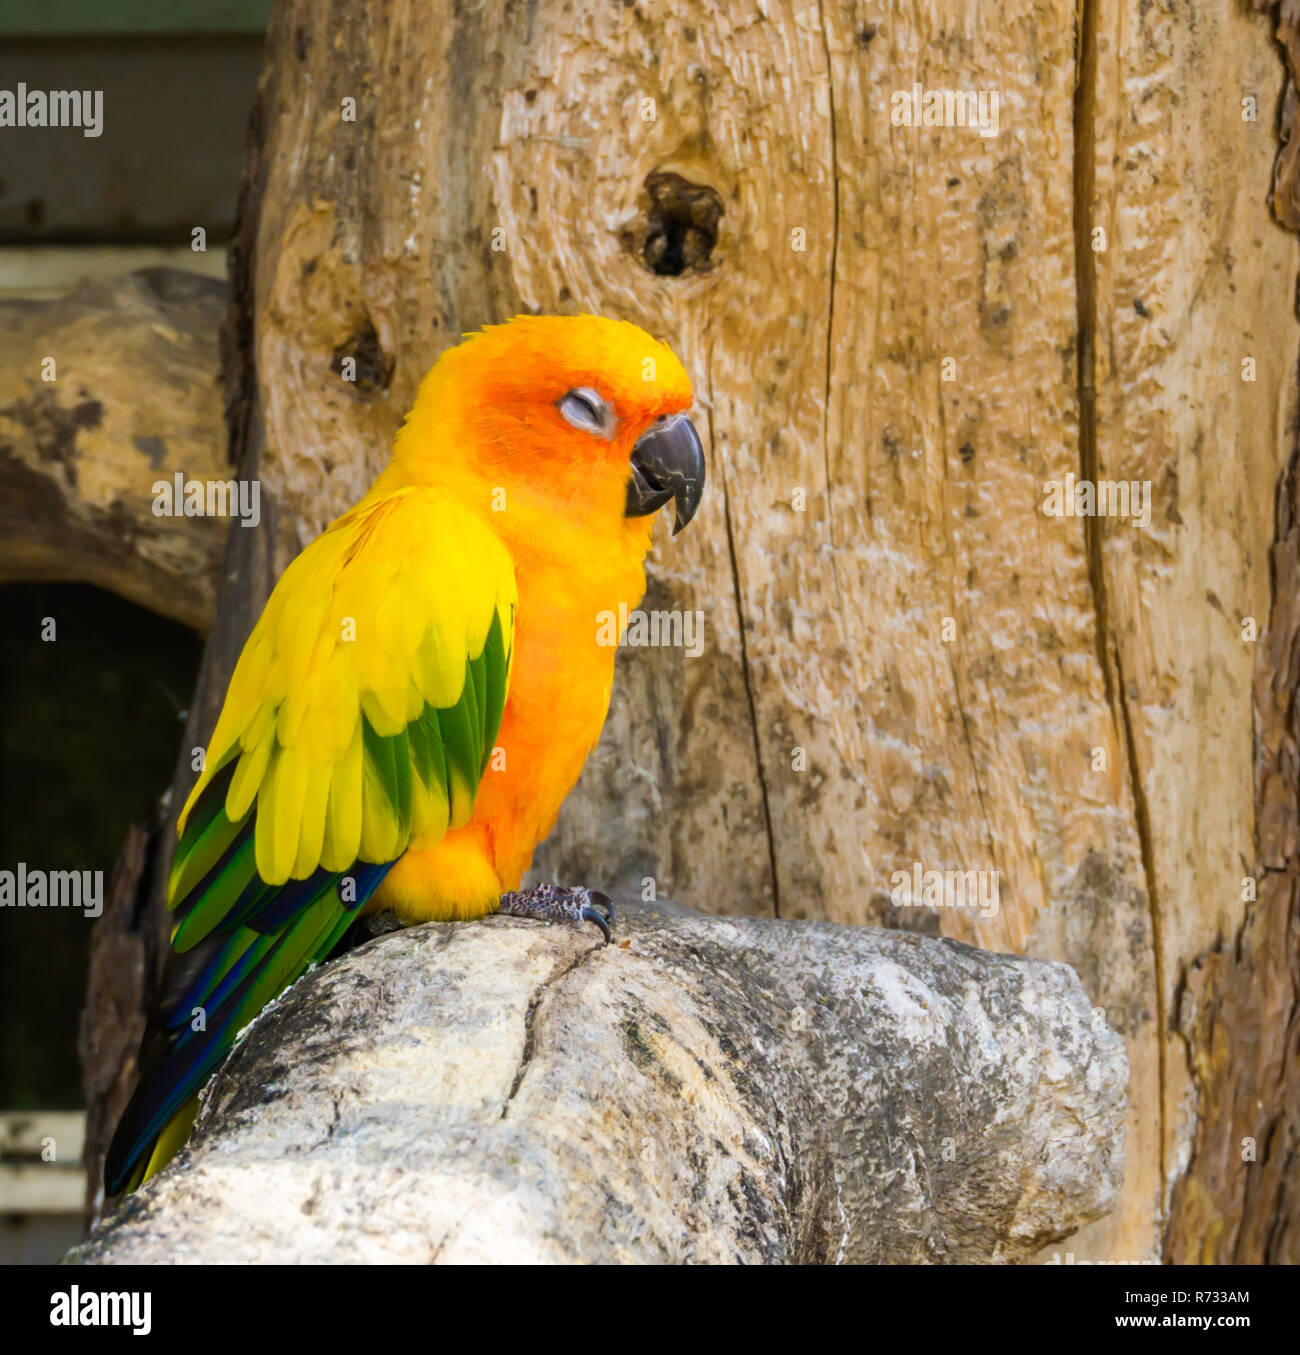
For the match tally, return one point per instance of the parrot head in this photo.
(563, 421)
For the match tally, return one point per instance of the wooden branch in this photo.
(119, 988)
(135, 399)
(702, 1090)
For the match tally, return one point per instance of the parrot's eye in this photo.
(586, 409)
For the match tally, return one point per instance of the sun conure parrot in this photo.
(422, 688)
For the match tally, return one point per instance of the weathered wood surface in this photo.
(1236, 1004)
(704, 1090)
(135, 397)
(1086, 724)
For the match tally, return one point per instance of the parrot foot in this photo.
(554, 903)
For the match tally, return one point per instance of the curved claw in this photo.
(602, 901)
(590, 914)
(551, 903)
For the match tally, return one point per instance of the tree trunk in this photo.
(899, 338)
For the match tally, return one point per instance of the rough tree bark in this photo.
(898, 336)
(706, 1090)
(1238, 1001)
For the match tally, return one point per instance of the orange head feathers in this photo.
(557, 422)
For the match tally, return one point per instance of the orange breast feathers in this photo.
(498, 434)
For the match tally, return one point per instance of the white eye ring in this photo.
(585, 409)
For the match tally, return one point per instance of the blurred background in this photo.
(96, 716)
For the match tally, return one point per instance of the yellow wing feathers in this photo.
(367, 636)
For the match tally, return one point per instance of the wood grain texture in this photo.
(1233, 1097)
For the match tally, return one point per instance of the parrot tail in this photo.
(229, 976)
(166, 1145)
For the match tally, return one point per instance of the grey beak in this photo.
(667, 463)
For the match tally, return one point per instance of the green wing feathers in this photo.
(362, 712)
